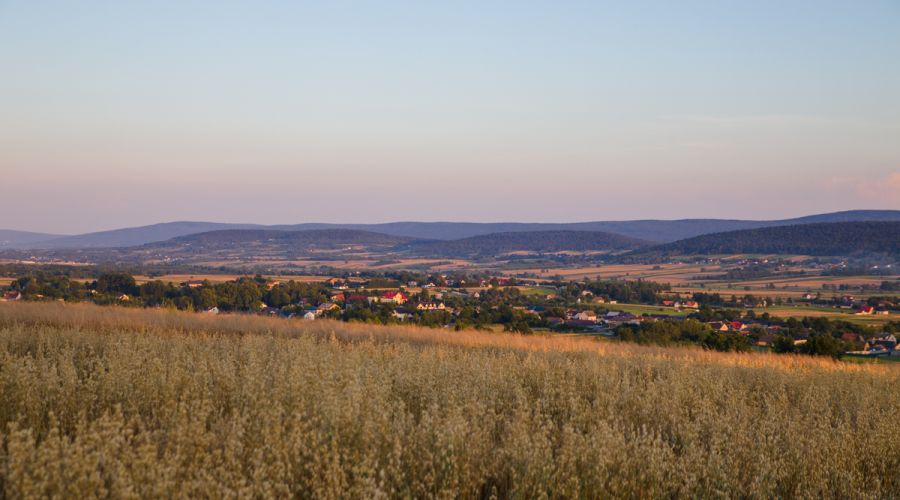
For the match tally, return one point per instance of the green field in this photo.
(637, 309)
(530, 290)
(826, 312)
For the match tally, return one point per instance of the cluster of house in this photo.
(868, 310)
(347, 293)
(397, 298)
(767, 339)
(500, 281)
(592, 321)
(858, 306)
(682, 304)
(881, 344)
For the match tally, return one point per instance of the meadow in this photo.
(115, 402)
(637, 309)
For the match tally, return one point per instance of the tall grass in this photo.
(112, 402)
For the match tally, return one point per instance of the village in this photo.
(613, 309)
(598, 315)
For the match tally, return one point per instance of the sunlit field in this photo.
(221, 278)
(115, 402)
(691, 278)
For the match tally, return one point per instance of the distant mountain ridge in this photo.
(818, 238)
(322, 238)
(9, 237)
(647, 229)
(651, 230)
(269, 245)
(134, 236)
(244, 245)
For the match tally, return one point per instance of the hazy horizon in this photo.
(119, 114)
(573, 221)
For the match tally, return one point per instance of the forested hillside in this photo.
(533, 241)
(836, 238)
(318, 237)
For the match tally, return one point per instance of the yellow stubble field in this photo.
(663, 273)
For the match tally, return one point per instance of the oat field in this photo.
(121, 403)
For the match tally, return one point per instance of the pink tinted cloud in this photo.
(883, 192)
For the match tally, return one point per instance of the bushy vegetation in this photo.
(247, 294)
(293, 240)
(641, 292)
(242, 294)
(114, 402)
(666, 333)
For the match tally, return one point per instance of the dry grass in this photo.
(112, 402)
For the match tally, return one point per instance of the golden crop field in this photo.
(350, 264)
(817, 282)
(667, 273)
(794, 287)
(826, 312)
(688, 278)
(738, 289)
(116, 402)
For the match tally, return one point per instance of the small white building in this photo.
(586, 316)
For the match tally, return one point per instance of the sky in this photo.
(118, 114)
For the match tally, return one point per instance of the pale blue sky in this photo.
(131, 112)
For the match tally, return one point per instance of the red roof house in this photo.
(395, 297)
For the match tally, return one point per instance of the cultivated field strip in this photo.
(114, 402)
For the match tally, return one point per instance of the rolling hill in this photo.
(315, 238)
(10, 238)
(531, 241)
(652, 230)
(134, 236)
(252, 244)
(234, 245)
(239, 245)
(823, 238)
